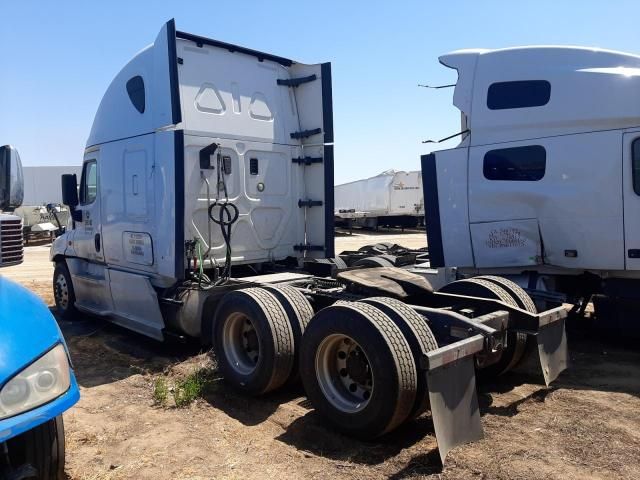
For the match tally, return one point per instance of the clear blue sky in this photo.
(58, 57)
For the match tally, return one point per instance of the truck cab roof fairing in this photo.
(117, 116)
(574, 74)
(464, 62)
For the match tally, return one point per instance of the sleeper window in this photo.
(89, 183)
(135, 89)
(515, 164)
(518, 94)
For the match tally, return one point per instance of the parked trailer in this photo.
(543, 187)
(42, 221)
(224, 195)
(391, 199)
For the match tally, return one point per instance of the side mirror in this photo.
(70, 190)
(70, 195)
(11, 181)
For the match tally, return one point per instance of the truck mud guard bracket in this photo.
(451, 381)
(294, 82)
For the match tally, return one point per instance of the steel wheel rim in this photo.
(240, 342)
(62, 291)
(347, 392)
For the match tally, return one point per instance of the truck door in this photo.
(87, 240)
(87, 267)
(631, 196)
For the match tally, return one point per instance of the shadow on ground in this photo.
(310, 433)
(102, 352)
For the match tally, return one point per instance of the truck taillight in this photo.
(11, 250)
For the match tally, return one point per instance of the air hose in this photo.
(227, 216)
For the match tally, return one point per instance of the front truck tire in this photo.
(253, 340)
(63, 292)
(358, 370)
(40, 451)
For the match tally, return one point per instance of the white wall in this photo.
(42, 185)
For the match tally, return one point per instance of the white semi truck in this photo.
(390, 199)
(544, 187)
(11, 194)
(207, 187)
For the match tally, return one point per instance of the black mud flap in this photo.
(454, 401)
(552, 349)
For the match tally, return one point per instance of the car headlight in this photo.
(42, 381)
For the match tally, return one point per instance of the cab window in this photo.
(89, 183)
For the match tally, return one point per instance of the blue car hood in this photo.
(27, 328)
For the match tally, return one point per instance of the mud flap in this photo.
(454, 404)
(552, 349)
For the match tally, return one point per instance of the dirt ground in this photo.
(586, 426)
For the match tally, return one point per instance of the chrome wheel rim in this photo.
(241, 344)
(344, 373)
(62, 291)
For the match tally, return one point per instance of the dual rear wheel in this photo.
(360, 362)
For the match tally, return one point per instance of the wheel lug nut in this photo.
(353, 387)
(343, 372)
(342, 355)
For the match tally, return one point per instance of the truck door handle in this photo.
(96, 241)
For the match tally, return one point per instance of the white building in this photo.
(42, 183)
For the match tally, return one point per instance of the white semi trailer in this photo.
(390, 199)
(207, 187)
(544, 187)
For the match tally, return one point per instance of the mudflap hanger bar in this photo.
(451, 369)
(547, 327)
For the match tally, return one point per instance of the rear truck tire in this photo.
(253, 340)
(420, 338)
(299, 313)
(524, 301)
(516, 342)
(63, 292)
(357, 369)
(517, 293)
(373, 262)
(339, 263)
(39, 452)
